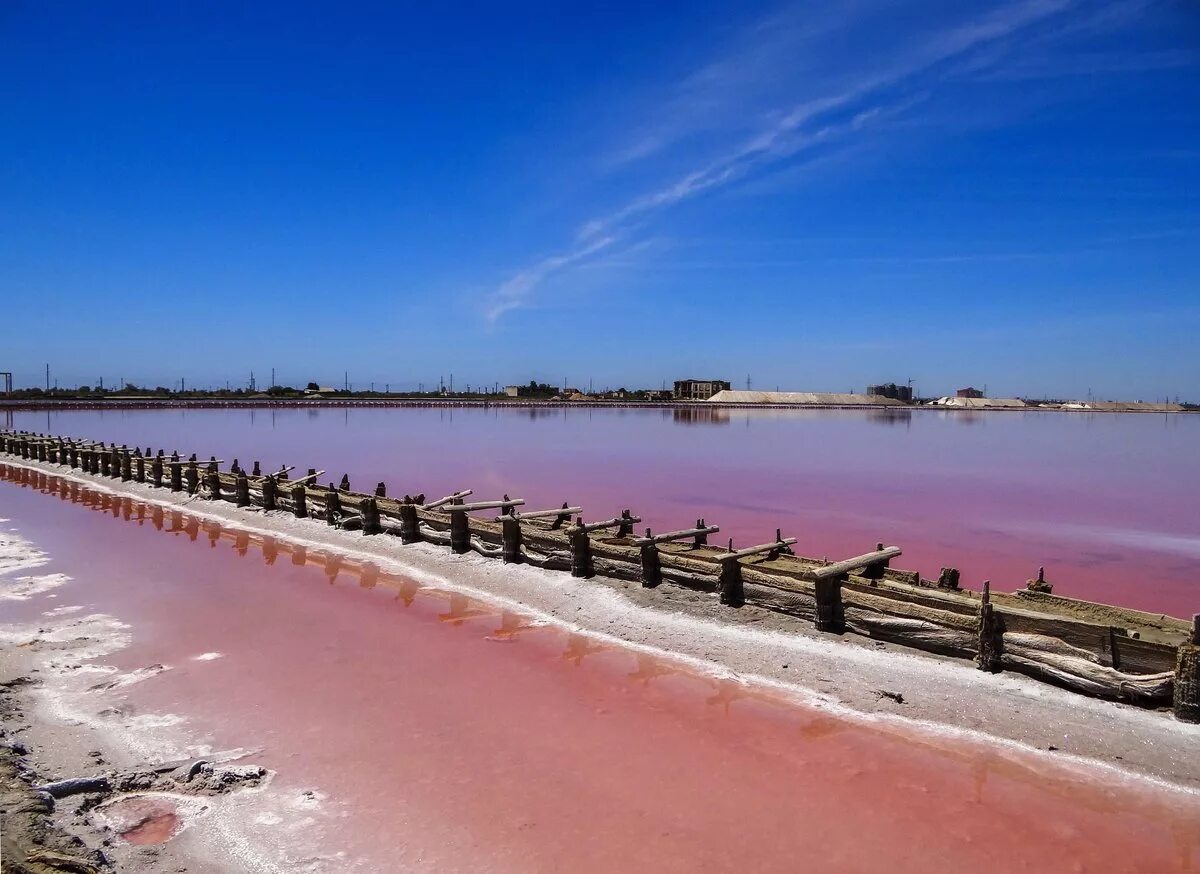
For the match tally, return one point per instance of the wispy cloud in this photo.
(826, 112)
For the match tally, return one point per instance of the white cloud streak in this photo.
(820, 120)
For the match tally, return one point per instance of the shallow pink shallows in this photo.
(457, 737)
(1109, 504)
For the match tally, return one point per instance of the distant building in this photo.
(512, 391)
(893, 391)
(968, 393)
(698, 389)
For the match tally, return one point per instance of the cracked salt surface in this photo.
(263, 829)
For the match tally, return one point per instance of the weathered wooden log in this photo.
(370, 516)
(105, 463)
(991, 634)
(270, 493)
(581, 551)
(1186, 696)
(156, 470)
(191, 476)
(410, 528)
(441, 502)
(731, 585)
(242, 490)
(510, 532)
(831, 616)
(333, 506)
(126, 465)
(503, 504)
(699, 535)
(212, 481)
(841, 568)
(559, 515)
(139, 466)
(460, 534)
(299, 501)
(620, 523)
(651, 564)
(176, 473)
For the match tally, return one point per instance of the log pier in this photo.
(1094, 649)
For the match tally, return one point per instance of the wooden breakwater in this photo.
(1096, 649)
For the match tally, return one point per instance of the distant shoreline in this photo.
(144, 403)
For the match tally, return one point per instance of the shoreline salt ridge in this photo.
(539, 593)
(65, 696)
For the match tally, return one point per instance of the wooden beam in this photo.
(441, 502)
(756, 550)
(841, 568)
(651, 539)
(482, 505)
(598, 526)
(541, 514)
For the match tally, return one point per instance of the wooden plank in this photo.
(840, 568)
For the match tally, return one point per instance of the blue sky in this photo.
(814, 195)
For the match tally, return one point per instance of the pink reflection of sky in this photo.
(1108, 503)
(459, 739)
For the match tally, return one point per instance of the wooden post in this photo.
(875, 571)
(176, 473)
(73, 455)
(126, 465)
(830, 613)
(625, 529)
(410, 524)
(213, 480)
(115, 466)
(460, 533)
(299, 502)
(651, 564)
(41, 450)
(270, 491)
(991, 634)
(381, 490)
(242, 490)
(1187, 677)
(581, 550)
(510, 533)
(191, 476)
(344, 485)
(333, 506)
(370, 517)
(730, 582)
(105, 462)
(257, 470)
(139, 466)
(701, 538)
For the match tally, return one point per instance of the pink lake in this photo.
(455, 736)
(1108, 503)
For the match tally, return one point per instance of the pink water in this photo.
(1109, 504)
(457, 737)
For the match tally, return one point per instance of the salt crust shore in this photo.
(84, 726)
(946, 701)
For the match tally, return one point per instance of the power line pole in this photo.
(47, 377)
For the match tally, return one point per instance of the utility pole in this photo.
(346, 380)
(47, 377)
(452, 383)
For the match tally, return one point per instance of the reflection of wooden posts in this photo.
(510, 536)
(299, 505)
(370, 516)
(991, 639)
(1187, 677)
(581, 549)
(242, 490)
(270, 492)
(333, 506)
(410, 525)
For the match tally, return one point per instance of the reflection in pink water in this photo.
(1108, 503)
(460, 738)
